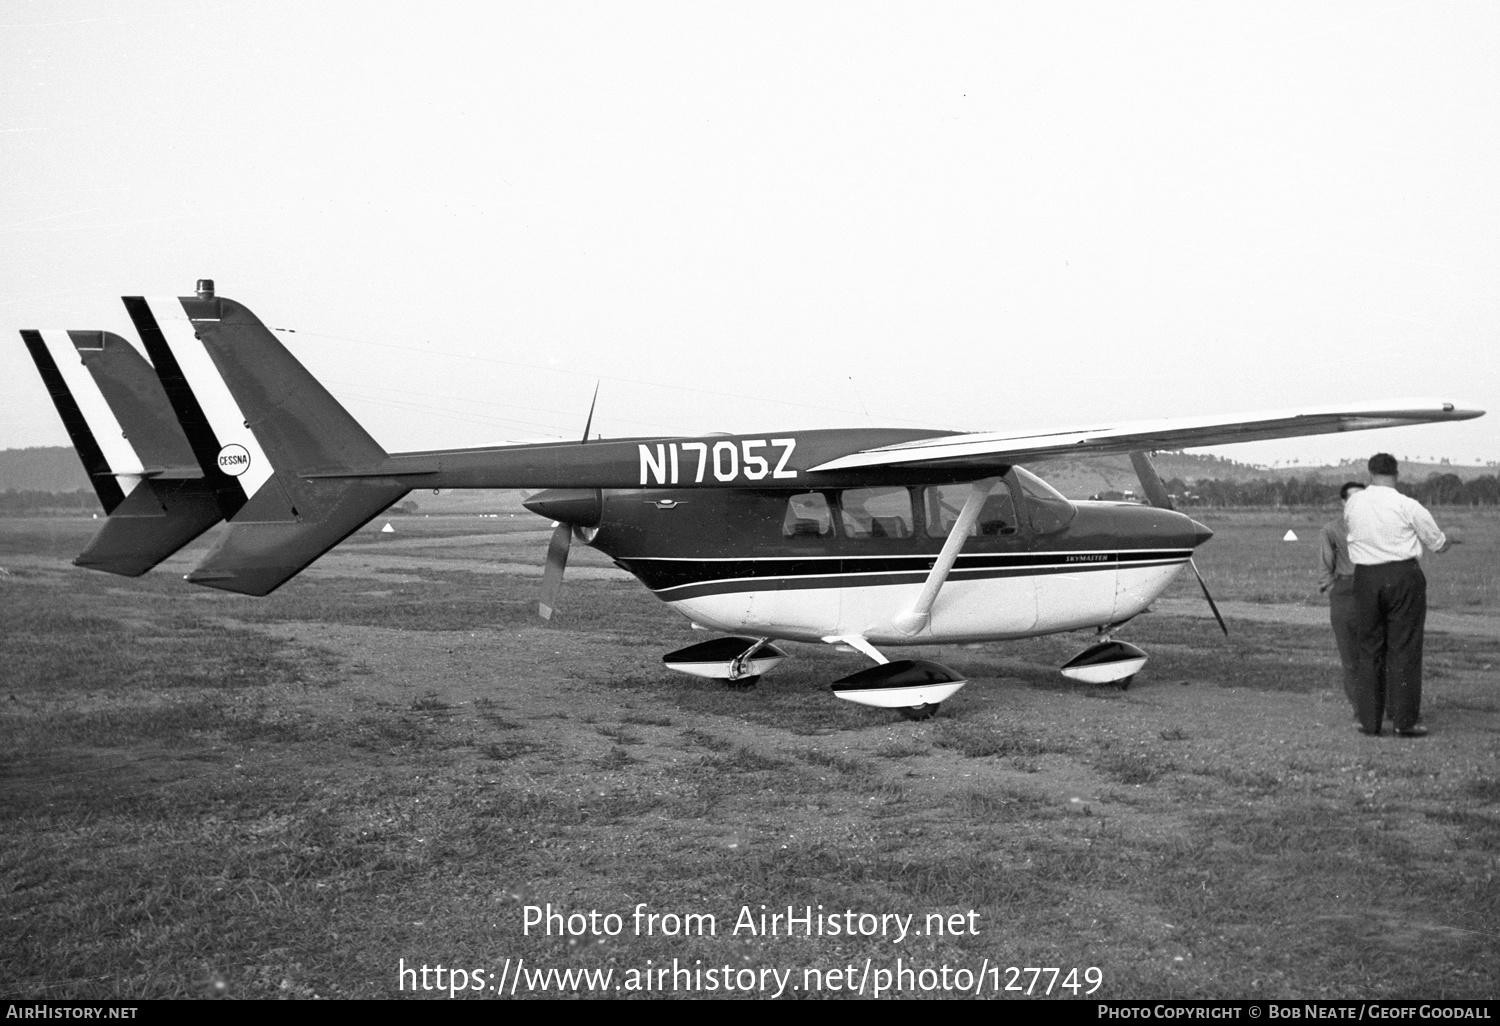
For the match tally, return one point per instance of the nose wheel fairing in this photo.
(1108, 662)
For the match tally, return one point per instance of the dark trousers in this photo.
(1390, 610)
(1341, 618)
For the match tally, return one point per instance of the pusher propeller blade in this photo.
(552, 574)
(562, 539)
(587, 424)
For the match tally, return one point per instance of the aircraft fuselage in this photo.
(816, 563)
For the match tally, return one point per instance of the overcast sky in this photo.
(747, 216)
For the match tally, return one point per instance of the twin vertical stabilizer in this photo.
(132, 448)
(222, 424)
(262, 429)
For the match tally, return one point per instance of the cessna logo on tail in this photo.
(234, 459)
(662, 463)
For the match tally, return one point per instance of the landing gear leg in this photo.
(737, 661)
(740, 676)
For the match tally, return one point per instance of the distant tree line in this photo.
(25, 502)
(1437, 490)
(28, 501)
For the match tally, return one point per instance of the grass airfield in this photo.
(390, 758)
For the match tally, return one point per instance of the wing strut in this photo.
(859, 644)
(915, 618)
(1156, 492)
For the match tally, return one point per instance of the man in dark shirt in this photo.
(1337, 581)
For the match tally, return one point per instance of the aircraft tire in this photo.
(743, 684)
(1124, 683)
(921, 712)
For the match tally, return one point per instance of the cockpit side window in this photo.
(876, 512)
(1047, 509)
(807, 516)
(942, 504)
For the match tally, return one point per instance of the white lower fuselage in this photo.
(967, 610)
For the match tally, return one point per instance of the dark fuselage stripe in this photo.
(675, 579)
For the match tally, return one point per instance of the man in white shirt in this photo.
(1387, 531)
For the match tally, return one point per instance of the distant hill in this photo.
(1078, 479)
(1353, 470)
(50, 468)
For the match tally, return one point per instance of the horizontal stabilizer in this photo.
(156, 519)
(257, 557)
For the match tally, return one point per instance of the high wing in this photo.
(952, 452)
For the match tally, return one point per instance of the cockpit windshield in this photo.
(1047, 509)
(1036, 487)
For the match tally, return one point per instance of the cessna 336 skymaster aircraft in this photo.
(862, 537)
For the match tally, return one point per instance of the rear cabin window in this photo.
(876, 512)
(807, 516)
(943, 503)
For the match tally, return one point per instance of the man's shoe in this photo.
(1415, 730)
(1371, 733)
